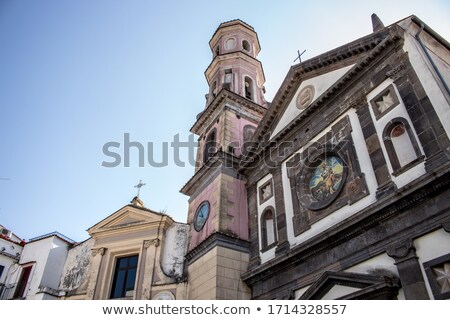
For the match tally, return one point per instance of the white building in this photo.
(11, 247)
(37, 275)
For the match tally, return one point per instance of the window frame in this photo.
(264, 245)
(397, 169)
(435, 289)
(115, 274)
(378, 114)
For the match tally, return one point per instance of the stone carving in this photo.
(397, 72)
(401, 250)
(154, 242)
(305, 97)
(101, 250)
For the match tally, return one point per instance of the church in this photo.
(336, 189)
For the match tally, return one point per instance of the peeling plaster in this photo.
(76, 268)
(175, 248)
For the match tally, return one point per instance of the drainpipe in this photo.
(422, 26)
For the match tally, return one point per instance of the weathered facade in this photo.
(337, 189)
(135, 253)
(347, 183)
(11, 247)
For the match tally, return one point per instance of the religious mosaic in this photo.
(327, 178)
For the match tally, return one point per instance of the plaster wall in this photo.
(76, 268)
(426, 74)
(9, 255)
(175, 247)
(321, 84)
(211, 194)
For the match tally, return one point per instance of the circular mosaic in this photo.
(305, 97)
(322, 181)
(327, 178)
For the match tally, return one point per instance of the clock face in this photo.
(201, 215)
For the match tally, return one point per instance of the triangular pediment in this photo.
(309, 90)
(330, 74)
(348, 285)
(126, 217)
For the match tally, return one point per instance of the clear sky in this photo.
(75, 75)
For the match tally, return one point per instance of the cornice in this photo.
(218, 239)
(224, 96)
(216, 162)
(234, 55)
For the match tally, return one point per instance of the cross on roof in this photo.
(299, 58)
(139, 186)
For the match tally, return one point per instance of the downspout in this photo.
(422, 26)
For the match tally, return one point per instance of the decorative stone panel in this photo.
(325, 177)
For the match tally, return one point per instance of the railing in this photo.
(7, 291)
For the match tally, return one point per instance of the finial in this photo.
(377, 25)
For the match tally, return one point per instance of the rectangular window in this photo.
(1, 271)
(124, 277)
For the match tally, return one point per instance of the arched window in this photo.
(228, 79)
(209, 148)
(246, 45)
(248, 87)
(268, 228)
(401, 145)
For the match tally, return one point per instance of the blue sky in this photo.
(75, 75)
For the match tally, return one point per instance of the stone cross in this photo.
(139, 186)
(299, 58)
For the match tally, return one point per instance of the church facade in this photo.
(337, 189)
(342, 178)
(348, 183)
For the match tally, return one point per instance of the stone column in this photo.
(385, 184)
(283, 242)
(94, 272)
(409, 270)
(255, 259)
(151, 248)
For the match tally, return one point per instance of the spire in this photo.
(377, 24)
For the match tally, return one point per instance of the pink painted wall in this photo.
(238, 133)
(238, 208)
(212, 194)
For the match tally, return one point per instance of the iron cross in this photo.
(299, 58)
(139, 186)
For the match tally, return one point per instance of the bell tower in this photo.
(234, 67)
(218, 250)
